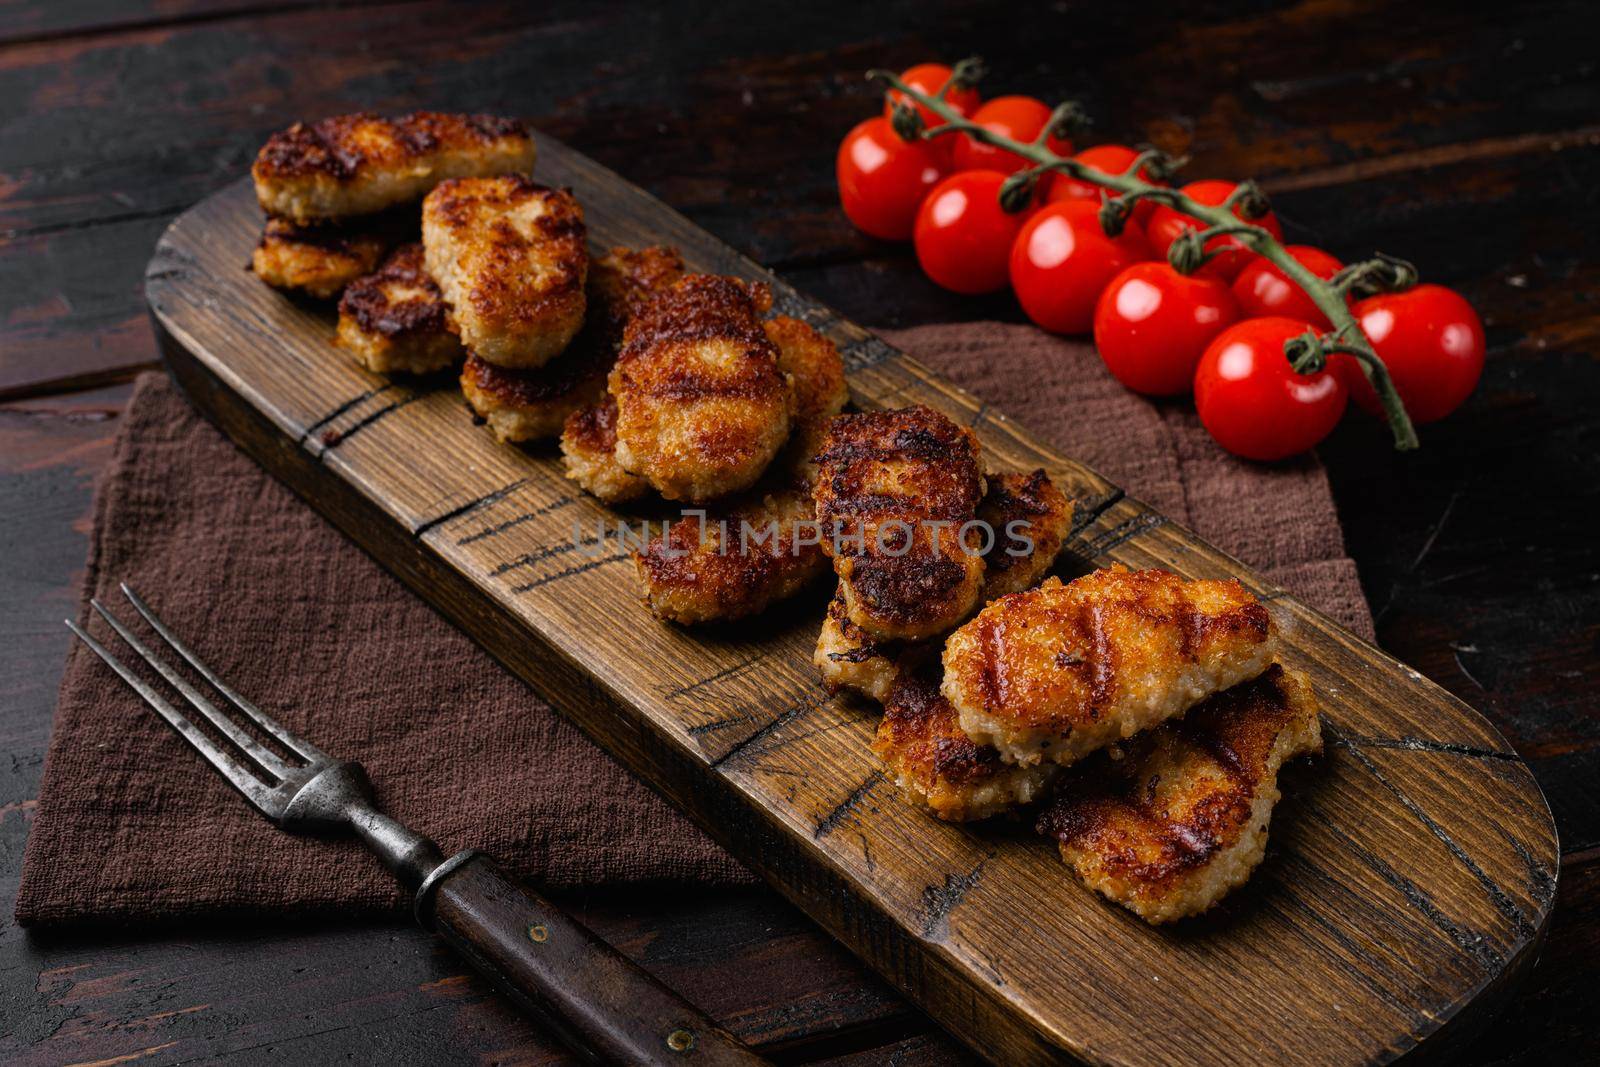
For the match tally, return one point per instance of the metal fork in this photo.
(597, 1000)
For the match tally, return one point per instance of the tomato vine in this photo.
(1307, 353)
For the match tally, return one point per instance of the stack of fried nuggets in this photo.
(1148, 712)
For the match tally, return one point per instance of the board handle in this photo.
(600, 1002)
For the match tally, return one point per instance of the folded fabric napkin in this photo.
(132, 825)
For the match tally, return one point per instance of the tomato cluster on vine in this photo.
(1218, 332)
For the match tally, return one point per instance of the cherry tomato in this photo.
(1432, 342)
(1109, 159)
(1251, 400)
(1167, 223)
(1017, 117)
(1152, 324)
(1263, 290)
(929, 78)
(963, 238)
(1061, 261)
(883, 179)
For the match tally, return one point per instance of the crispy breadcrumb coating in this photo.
(1176, 818)
(395, 319)
(361, 164)
(734, 562)
(938, 767)
(701, 405)
(899, 485)
(317, 260)
(589, 452)
(511, 258)
(1062, 670)
(1030, 519)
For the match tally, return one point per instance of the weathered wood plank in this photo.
(1388, 884)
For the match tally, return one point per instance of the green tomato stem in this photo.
(1329, 298)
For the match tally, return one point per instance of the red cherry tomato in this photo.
(1061, 261)
(1251, 400)
(929, 78)
(1109, 159)
(1167, 223)
(963, 238)
(1017, 117)
(1432, 342)
(883, 179)
(1152, 324)
(1263, 290)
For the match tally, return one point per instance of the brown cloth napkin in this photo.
(131, 825)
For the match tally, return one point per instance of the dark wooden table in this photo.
(1465, 142)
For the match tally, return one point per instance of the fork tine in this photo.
(239, 776)
(267, 759)
(293, 743)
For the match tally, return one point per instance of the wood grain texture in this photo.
(1412, 870)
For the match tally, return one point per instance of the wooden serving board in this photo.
(1412, 869)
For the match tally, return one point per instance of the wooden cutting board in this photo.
(1411, 872)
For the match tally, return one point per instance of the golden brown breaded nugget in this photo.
(701, 405)
(816, 372)
(360, 164)
(1030, 519)
(525, 405)
(733, 562)
(510, 257)
(395, 319)
(317, 260)
(936, 765)
(1062, 670)
(589, 451)
(850, 658)
(532, 405)
(624, 281)
(898, 486)
(1180, 818)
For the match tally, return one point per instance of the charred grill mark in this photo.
(830, 822)
(470, 506)
(582, 568)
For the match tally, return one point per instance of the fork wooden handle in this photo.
(598, 1000)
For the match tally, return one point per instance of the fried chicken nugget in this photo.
(395, 319)
(937, 766)
(511, 257)
(1179, 817)
(527, 405)
(702, 408)
(317, 260)
(848, 657)
(589, 452)
(733, 562)
(897, 486)
(1062, 670)
(816, 371)
(1028, 519)
(361, 164)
